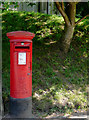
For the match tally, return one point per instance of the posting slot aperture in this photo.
(21, 47)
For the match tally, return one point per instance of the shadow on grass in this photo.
(59, 80)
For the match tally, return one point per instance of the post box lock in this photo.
(28, 73)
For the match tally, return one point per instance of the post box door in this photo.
(21, 74)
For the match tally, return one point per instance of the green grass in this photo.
(59, 80)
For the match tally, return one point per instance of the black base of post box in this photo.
(20, 108)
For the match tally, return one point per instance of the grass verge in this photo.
(59, 81)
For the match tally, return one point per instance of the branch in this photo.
(71, 12)
(62, 5)
(81, 19)
(66, 19)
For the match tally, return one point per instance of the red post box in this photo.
(20, 73)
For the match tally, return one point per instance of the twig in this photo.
(81, 19)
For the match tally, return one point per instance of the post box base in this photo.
(11, 117)
(21, 108)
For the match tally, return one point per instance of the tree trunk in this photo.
(67, 37)
(69, 18)
(69, 28)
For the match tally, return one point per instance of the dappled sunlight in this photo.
(81, 23)
(80, 34)
(57, 19)
(81, 38)
(60, 99)
(44, 26)
(59, 80)
(85, 54)
(52, 42)
(22, 14)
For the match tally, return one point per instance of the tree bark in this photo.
(69, 29)
(64, 15)
(69, 17)
(67, 37)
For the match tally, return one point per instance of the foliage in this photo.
(82, 9)
(31, 4)
(59, 80)
(45, 26)
(6, 5)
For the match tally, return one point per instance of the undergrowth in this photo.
(59, 81)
